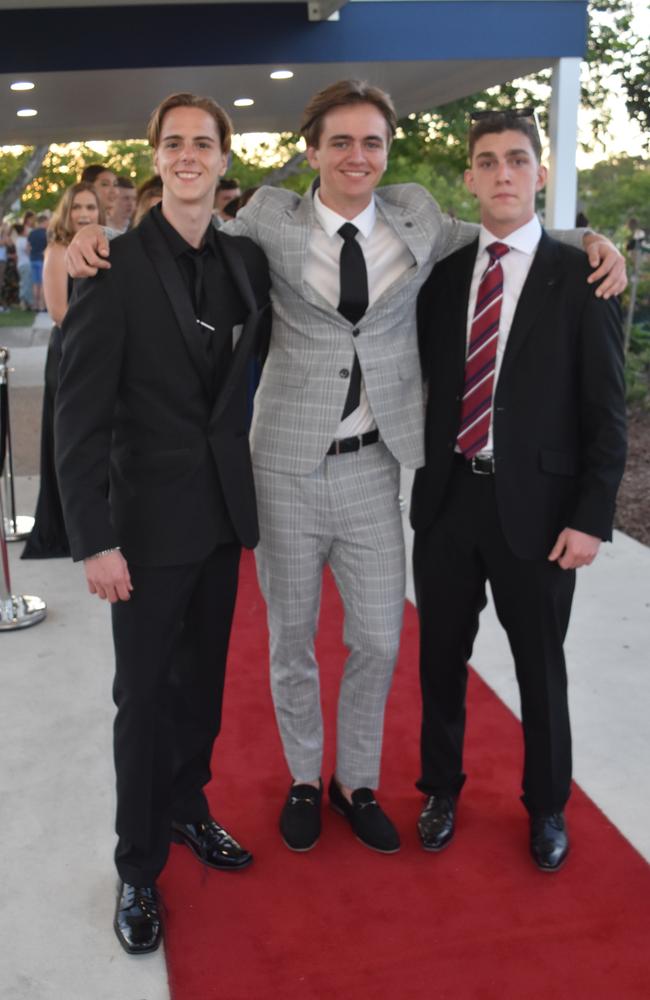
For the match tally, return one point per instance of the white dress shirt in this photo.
(516, 265)
(386, 257)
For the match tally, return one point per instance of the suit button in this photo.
(355, 332)
(344, 373)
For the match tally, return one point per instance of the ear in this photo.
(155, 160)
(224, 164)
(542, 175)
(468, 177)
(312, 158)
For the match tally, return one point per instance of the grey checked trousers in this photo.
(345, 514)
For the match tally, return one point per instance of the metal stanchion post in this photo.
(16, 526)
(16, 611)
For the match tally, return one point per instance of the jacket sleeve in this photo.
(602, 416)
(93, 343)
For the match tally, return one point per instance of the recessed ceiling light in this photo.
(243, 102)
(281, 74)
(26, 113)
(22, 85)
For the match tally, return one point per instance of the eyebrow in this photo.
(210, 138)
(377, 138)
(508, 152)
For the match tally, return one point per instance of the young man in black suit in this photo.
(525, 448)
(157, 489)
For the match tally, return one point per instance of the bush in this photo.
(637, 367)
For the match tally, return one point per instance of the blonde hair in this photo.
(60, 227)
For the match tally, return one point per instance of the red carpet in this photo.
(476, 922)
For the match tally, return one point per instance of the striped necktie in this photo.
(480, 363)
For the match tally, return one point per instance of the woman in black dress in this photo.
(78, 207)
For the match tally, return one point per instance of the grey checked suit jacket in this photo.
(301, 395)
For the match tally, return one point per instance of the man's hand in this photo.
(609, 264)
(87, 252)
(108, 577)
(574, 549)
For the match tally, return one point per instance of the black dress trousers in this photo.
(452, 560)
(171, 644)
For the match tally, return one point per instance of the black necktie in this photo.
(353, 302)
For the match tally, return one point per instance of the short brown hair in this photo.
(338, 95)
(183, 100)
(505, 121)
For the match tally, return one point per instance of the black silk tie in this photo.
(353, 301)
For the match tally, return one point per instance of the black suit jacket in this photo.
(559, 407)
(148, 457)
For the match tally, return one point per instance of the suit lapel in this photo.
(172, 282)
(542, 277)
(295, 238)
(241, 355)
(464, 261)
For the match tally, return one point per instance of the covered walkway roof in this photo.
(100, 70)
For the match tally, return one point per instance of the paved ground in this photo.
(56, 781)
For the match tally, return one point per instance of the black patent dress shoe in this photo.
(437, 822)
(300, 817)
(549, 841)
(212, 845)
(137, 919)
(366, 817)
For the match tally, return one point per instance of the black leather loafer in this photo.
(137, 919)
(366, 817)
(212, 845)
(436, 823)
(300, 820)
(549, 841)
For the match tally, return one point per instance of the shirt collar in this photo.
(524, 239)
(177, 243)
(331, 221)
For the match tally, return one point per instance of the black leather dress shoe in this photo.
(137, 919)
(212, 845)
(300, 817)
(549, 841)
(436, 823)
(366, 817)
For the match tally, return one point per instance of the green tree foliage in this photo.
(614, 191)
(63, 165)
(616, 55)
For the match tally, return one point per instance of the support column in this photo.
(561, 193)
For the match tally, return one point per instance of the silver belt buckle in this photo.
(487, 460)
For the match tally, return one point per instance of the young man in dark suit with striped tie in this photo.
(525, 448)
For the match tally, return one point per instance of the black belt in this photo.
(480, 465)
(354, 443)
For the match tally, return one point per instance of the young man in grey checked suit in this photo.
(329, 434)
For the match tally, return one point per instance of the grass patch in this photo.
(16, 317)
